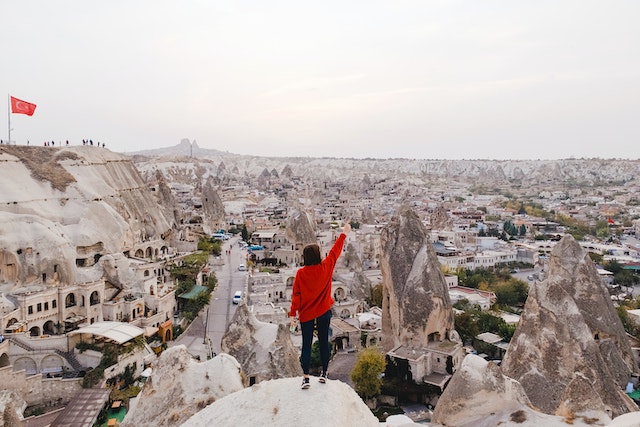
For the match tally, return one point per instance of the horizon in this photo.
(141, 152)
(413, 80)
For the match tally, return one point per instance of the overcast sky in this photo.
(426, 79)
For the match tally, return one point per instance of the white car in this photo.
(242, 267)
(237, 297)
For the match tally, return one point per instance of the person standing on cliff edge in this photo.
(311, 301)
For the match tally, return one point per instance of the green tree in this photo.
(629, 325)
(466, 325)
(512, 292)
(245, 233)
(376, 296)
(602, 228)
(367, 372)
(211, 246)
(506, 331)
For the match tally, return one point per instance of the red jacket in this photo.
(312, 286)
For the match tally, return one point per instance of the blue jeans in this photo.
(321, 323)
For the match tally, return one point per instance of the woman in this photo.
(311, 301)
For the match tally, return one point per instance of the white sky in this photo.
(351, 78)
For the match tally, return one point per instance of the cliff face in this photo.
(416, 306)
(570, 349)
(78, 202)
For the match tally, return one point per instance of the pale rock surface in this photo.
(415, 296)
(479, 395)
(440, 220)
(301, 228)
(282, 403)
(264, 350)
(12, 407)
(212, 205)
(78, 202)
(570, 351)
(359, 284)
(180, 386)
(115, 270)
(166, 199)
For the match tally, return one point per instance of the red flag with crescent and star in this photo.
(19, 106)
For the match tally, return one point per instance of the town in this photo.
(108, 261)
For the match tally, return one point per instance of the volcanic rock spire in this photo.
(570, 349)
(416, 306)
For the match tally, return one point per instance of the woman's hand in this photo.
(347, 227)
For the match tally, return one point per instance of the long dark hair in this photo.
(311, 255)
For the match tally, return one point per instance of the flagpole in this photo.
(9, 116)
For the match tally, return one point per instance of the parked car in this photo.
(242, 267)
(237, 297)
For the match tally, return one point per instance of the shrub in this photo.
(367, 373)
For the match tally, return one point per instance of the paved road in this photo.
(217, 315)
(230, 280)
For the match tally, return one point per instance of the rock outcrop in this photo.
(179, 387)
(264, 350)
(12, 407)
(570, 351)
(282, 403)
(212, 206)
(301, 228)
(416, 306)
(479, 395)
(80, 203)
(440, 220)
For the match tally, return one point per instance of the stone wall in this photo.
(35, 389)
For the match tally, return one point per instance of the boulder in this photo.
(281, 403)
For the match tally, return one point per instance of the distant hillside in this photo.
(559, 174)
(184, 149)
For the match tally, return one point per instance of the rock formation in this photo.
(570, 350)
(166, 200)
(212, 205)
(80, 203)
(282, 403)
(12, 407)
(179, 387)
(440, 220)
(301, 228)
(264, 350)
(479, 395)
(416, 307)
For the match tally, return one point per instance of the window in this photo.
(30, 309)
(46, 306)
(54, 304)
(39, 307)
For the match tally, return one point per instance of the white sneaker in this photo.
(305, 383)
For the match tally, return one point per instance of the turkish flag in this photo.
(19, 106)
(610, 221)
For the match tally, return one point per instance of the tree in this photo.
(523, 230)
(376, 296)
(367, 373)
(467, 326)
